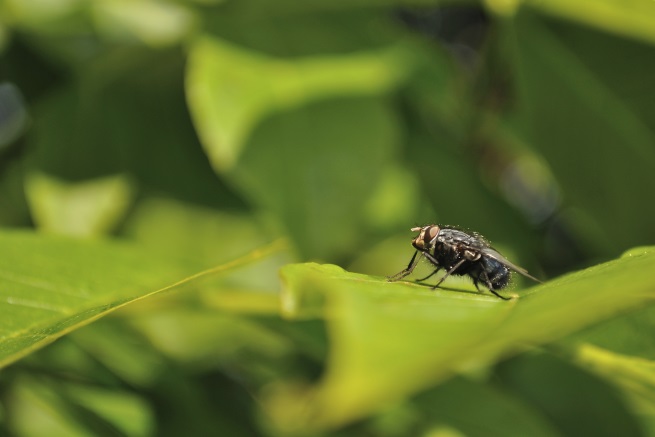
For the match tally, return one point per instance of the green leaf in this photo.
(204, 335)
(127, 412)
(50, 286)
(230, 89)
(204, 233)
(635, 374)
(153, 23)
(389, 340)
(632, 334)
(104, 343)
(82, 209)
(37, 410)
(41, 407)
(75, 138)
(582, 126)
(479, 409)
(576, 402)
(633, 18)
(313, 168)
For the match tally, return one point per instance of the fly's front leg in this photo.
(410, 268)
(430, 275)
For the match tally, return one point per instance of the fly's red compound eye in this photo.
(433, 232)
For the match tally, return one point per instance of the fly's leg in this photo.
(448, 273)
(487, 281)
(429, 276)
(410, 267)
(502, 297)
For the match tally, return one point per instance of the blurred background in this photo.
(206, 129)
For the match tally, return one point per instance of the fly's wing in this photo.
(492, 253)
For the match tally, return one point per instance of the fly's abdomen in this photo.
(498, 274)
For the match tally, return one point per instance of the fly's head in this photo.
(426, 237)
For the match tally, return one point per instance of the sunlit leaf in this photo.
(390, 340)
(635, 375)
(42, 15)
(50, 286)
(80, 209)
(230, 89)
(155, 23)
(633, 18)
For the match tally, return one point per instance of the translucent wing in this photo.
(501, 259)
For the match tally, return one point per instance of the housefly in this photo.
(461, 253)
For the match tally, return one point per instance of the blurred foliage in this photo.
(168, 170)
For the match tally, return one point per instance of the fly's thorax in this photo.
(426, 237)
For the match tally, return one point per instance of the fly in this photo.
(461, 253)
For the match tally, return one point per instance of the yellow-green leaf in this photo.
(389, 340)
(230, 88)
(50, 285)
(632, 18)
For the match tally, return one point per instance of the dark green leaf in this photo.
(587, 132)
(575, 402)
(478, 409)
